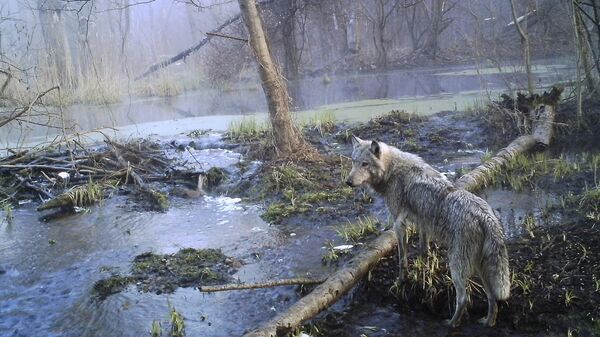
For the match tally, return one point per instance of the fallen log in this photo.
(538, 139)
(330, 291)
(345, 278)
(266, 284)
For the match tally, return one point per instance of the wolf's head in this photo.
(367, 164)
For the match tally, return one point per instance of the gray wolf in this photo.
(418, 195)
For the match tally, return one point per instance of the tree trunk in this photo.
(52, 21)
(525, 42)
(344, 279)
(583, 49)
(286, 14)
(286, 136)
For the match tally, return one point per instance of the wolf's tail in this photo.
(495, 259)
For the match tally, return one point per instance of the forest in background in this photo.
(96, 51)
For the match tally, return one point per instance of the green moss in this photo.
(164, 273)
(160, 201)
(197, 133)
(277, 211)
(215, 176)
(112, 285)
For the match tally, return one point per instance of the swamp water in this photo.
(47, 269)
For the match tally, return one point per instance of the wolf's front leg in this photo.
(400, 230)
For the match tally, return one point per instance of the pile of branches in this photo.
(77, 177)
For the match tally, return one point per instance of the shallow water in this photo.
(351, 97)
(50, 267)
(46, 288)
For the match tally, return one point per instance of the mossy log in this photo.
(330, 291)
(60, 201)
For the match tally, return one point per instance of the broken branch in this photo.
(267, 284)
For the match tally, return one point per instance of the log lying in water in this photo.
(329, 292)
(266, 284)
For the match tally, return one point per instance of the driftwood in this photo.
(158, 200)
(33, 187)
(344, 279)
(267, 284)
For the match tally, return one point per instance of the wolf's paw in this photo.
(484, 321)
(451, 323)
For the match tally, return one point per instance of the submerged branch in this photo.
(266, 284)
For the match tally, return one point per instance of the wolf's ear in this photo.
(356, 141)
(375, 149)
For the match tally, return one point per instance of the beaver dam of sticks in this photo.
(553, 254)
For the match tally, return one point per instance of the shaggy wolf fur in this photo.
(416, 194)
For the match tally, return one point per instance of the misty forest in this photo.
(231, 168)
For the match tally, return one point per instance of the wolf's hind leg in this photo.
(490, 320)
(459, 279)
(400, 230)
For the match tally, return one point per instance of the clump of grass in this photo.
(156, 329)
(529, 224)
(331, 254)
(85, 195)
(356, 231)
(569, 297)
(290, 176)
(278, 210)
(522, 171)
(162, 85)
(246, 130)
(426, 273)
(486, 156)
(177, 323)
(7, 208)
(323, 122)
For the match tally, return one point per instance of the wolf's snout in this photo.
(349, 183)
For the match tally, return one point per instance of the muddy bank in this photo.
(554, 262)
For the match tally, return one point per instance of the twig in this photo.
(266, 284)
(31, 186)
(227, 36)
(27, 108)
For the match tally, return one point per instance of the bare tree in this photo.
(438, 23)
(287, 138)
(526, 46)
(378, 17)
(285, 11)
(52, 18)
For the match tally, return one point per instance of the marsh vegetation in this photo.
(104, 117)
